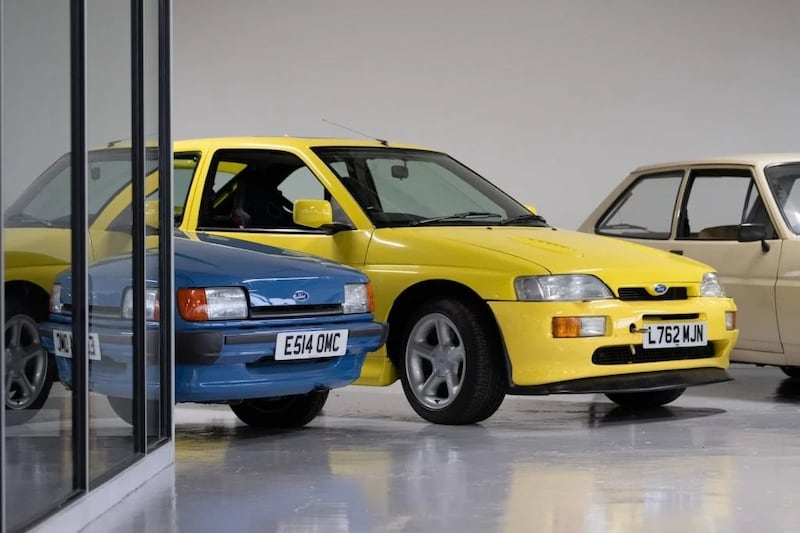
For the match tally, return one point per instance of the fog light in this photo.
(579, 326)
(730, 320)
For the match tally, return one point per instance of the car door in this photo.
(696, 212)
(715, 202)
(784, 183)
(249, 193)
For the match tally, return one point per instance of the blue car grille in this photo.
(96, 311)
(295, 311)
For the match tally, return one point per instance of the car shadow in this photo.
(788, 391)
(604, 414)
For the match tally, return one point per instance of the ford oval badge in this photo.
(659, 288)
(300, 296)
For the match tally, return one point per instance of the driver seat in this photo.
(259, 204)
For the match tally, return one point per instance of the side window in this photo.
(784, 182)
(257, 189)
(718, 201)
(302, 184)
(183, 168)
(645, 209)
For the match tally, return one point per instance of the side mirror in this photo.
(752, 233)
(531, 209)
(151, 214)
(312, 213)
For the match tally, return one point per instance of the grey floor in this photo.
(722, 458)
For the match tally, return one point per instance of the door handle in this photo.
(679, 252)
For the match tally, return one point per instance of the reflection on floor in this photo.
(39, 461)
(722, 458)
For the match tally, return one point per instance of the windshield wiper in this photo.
(28, 219)
(524, 218)
(455, 216)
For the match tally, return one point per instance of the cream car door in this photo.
(715, 202)
(784, 181)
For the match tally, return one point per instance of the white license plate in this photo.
(676, 335)
(63, 344)
(310, 344)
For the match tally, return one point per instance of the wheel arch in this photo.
(412, 297)
(29, 292)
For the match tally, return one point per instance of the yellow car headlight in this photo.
(711, 286)
(563, 287)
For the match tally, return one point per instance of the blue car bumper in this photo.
(221, 361)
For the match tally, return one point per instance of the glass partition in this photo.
(108, 125)
(36, 246)
(86, 293)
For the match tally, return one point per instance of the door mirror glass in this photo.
(312, 213)
(752, 232)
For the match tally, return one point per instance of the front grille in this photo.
(640, 293)
(295, 311)
(627, 354)
(96, 311)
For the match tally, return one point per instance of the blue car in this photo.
(267, 331)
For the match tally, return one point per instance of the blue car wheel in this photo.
(282, 412)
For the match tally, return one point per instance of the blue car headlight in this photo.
(212, 303)
(56, 305)
(358, 298)
(152, 309)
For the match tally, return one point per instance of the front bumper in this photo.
(221, 364)
(540, 364)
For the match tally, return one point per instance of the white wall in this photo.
(553, 100)
(36, 83)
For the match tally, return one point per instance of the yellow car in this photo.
(740, 214)
(482, 297)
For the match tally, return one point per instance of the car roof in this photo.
(287, 141)
(755, 159)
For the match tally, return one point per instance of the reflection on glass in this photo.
(108, 123)
(36, 246)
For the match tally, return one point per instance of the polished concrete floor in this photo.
(722, 458)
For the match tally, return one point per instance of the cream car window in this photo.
(784, 182)
(645, 209)
(718, 201)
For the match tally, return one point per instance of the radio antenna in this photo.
(382, 141)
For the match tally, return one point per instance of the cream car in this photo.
(739, 214)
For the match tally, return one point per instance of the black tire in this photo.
(30, 370)
(282, 412)
(645, 399)
(457, 380)
(123, 408)
(791, 371)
